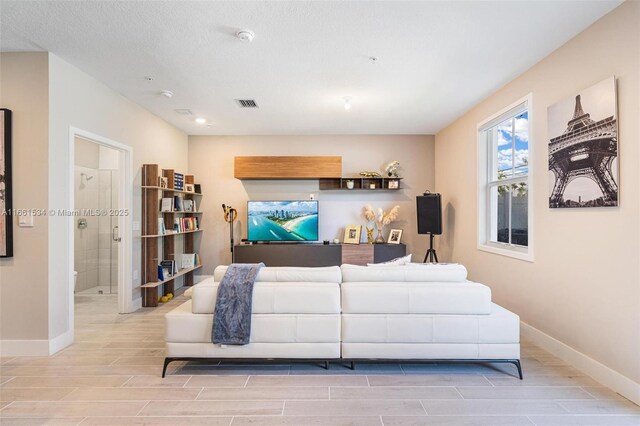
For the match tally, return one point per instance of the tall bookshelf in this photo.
(152, 193)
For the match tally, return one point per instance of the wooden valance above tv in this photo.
(287, 167)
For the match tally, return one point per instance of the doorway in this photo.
(100, 177)
(96, 231)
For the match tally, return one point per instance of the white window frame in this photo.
(483, 194)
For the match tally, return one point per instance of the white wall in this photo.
(79, 100)
(584, 287)
(211, 161)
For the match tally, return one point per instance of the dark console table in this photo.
(278, 254)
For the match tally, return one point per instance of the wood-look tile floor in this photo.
(111, 376)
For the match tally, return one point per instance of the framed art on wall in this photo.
(352, 234)
(6, 218)
(583, 148)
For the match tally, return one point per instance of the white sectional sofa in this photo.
(416, 312)
(423, 312)
(295, 315)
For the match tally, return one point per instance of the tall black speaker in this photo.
(429, 210)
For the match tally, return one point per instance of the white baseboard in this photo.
(24, 348)
(36, 347)
(600, 372)
(62, 341)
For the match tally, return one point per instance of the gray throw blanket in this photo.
(232, 314)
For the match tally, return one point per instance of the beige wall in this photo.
(211, 161)
(24, 89)
(584, 287)
(48, 96)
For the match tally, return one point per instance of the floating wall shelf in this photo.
(361, 184)
(277, 167)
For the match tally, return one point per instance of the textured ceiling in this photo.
(436, 59)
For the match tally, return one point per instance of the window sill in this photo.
(508, 251)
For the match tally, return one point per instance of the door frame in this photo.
(125, 223)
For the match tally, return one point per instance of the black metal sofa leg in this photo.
(516, 362)
(166, 364)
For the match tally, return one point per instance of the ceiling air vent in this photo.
(184, 111)
(247, 103)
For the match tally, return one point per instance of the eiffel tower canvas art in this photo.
(583, 148)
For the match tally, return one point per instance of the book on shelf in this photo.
(166, 204)
(160, 273)
(161, 228)
(178, 181)
(177, 203)
(188, 260)
(188, 206)
(186, 224)
(170, 265)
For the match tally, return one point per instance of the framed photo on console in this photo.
(395, 236)
(352, 234)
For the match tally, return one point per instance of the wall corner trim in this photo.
(600, 372)
(60, 342)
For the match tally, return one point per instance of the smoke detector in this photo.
(246, 35)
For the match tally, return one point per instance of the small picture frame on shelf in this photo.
(395, 236)
(163, 182)
(394, 184)
(197, 188)
(189, 187)
(352, 234)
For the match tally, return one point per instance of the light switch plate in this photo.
(25, 221)
(136, 225)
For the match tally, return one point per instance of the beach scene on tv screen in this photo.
(283, 221)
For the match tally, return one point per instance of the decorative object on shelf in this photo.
(582, 145)
(163, 182)
(370, 216)
(383, 219)
(370, 174)
(395, 236)
(6, 220)
(372, 185)
(352, 234)
(188, 187)
(392, 169)
(178, 181)
(394, 184)
(197, 188)
(349, 184)
(370, 239)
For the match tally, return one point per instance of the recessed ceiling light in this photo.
(246, 35)
(167, 94)
(373, 59)
(148, 78)
(200, 120)
(347, 103)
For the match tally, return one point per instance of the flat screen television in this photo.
(282, 221)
